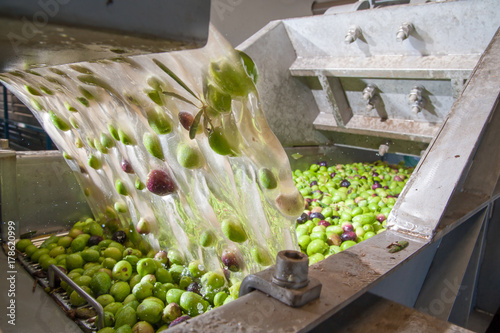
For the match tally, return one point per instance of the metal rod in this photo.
(53, 270)
(5, 113)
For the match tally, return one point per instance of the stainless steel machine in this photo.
(418, 80)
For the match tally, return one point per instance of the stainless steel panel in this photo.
(439, 54)
(382, 315)
(450, 154)
(40, 193)
(50, 32)
(35, 310)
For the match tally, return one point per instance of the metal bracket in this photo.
(287, 281)
(54, 270)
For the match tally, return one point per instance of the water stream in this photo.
(119, 123)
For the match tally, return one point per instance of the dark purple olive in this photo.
(397, 179)
(376, 185)
(186, 119)
(348, 235)
(120, 237)
(375, 174)
(160, 183)
(227, 273)
(363, 177)
(94, 240)
(381, 218)
(313, 183)
(386, 187)
(230, 260)
(302, 218)
(324, 223)
(179, 320)
(345, 183)
(323, 163)
(347, 226)
(126, 166)
(194, 287)
(332, 174)
(316, 215)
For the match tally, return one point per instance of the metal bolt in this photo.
(417, 106)
(292, 268)
(372, 103)
(415, 94)
(369, 91)
(416, 99)
(352, 34)
(404, 31)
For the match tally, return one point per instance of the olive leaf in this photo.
(175, 77)
(249, 66)
(171, 94)
(194, 126)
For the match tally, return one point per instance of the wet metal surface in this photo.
(381, 315)
(344, 277)
(60, 296)
(40, 33)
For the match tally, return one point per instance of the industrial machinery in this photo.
(419, 80)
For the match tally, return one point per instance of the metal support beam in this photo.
(5, 113)
(487, 296)
(332, 95)
(446, 274)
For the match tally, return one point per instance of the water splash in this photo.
(118, 120)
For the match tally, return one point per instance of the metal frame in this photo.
(309, 73)
(445, 213)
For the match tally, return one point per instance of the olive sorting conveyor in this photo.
(420, 80)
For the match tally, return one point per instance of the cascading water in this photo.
(175, 145)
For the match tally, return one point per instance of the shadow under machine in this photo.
(417, 81)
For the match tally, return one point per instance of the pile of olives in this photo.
(345, 204)
(146, 291)
(140, 292)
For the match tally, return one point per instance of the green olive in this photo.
(233, 230)
(189, 157)
(153, 145)
(58, 122)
